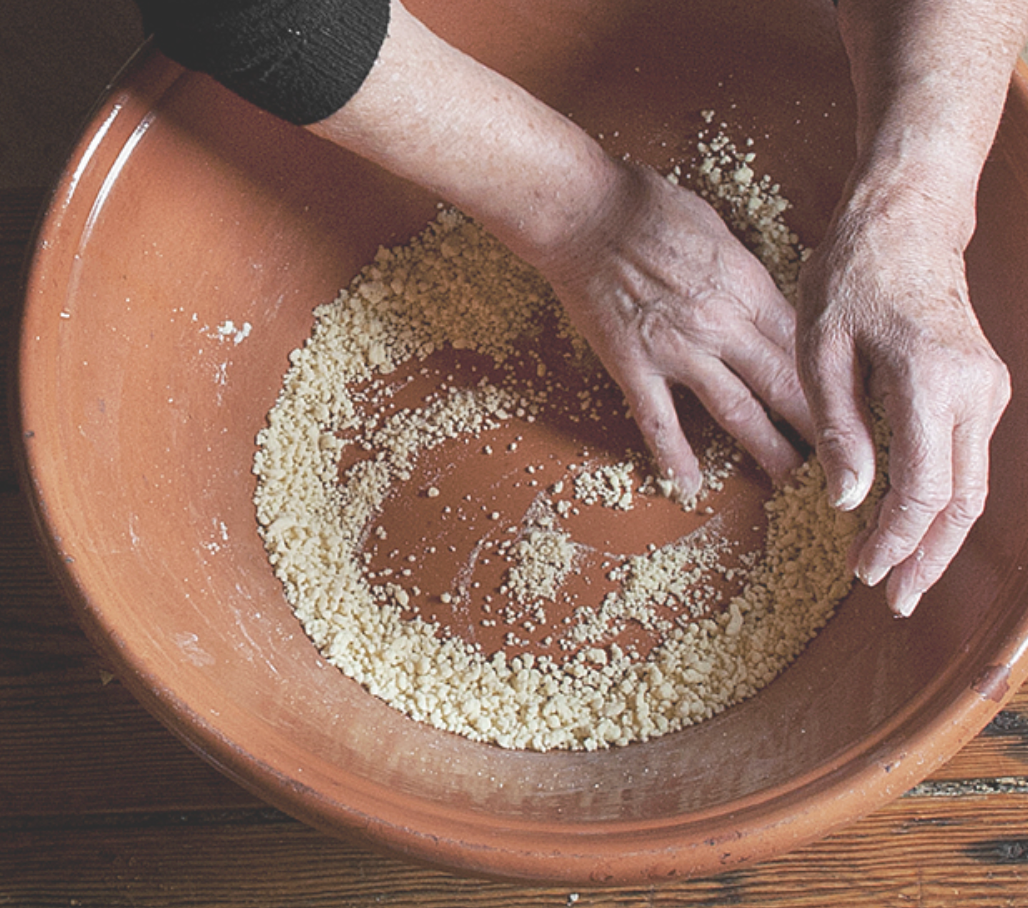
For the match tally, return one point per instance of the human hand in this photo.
(666, 295)
(647, 270)
(884, 312)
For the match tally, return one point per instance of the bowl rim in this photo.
(857, 781)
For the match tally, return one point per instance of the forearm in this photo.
(432, 114)
(646, 270)
(931, 78)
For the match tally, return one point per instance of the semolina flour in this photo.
(444, 499)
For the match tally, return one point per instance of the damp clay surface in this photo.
(465, 520)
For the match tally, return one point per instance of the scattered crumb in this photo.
(455, 286)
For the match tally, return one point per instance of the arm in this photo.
(646, 270)
(884, 308)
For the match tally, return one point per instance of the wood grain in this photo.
(919, 852)
(18, 213)
(19, 210)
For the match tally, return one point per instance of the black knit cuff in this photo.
(301, 60)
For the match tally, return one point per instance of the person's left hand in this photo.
(885, 314)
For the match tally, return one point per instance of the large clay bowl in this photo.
(183, 209)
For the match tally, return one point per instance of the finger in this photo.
(731, 402)
(775, 316)
(771, 372)
(921, 474)
(833, 381)
(653, 408)
(946, 535)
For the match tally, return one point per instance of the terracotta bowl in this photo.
(184, 209)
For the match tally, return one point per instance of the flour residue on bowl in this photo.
(229, 330)
(451, 493)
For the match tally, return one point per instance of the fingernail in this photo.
(905, 605)
(871, 576)
(671, 488)
(847, 496)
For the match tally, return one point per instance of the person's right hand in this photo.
(647, 271)
(666, 296)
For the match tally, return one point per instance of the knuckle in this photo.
(921, 504)
(737, 410)
(967, 506)
(929, 565)
(652, 422)
(1001, 386)
(835, 442)
(782, 378)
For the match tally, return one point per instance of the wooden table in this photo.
(101, 806)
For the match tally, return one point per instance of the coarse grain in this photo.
(339, 443)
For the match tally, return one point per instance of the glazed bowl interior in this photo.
(178, 265)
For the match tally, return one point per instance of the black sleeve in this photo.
(301, 60)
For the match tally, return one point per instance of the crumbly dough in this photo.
(337, 446)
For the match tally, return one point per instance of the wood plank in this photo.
(19, 211)
(928, 852)
(13, 235)
(8, 473)
(36, 619)
(1000, 751)
(89, 748)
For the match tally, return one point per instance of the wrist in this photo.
(922, 182)
(435, 116)
(557, 209)
(930, 78)
(573, 238)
